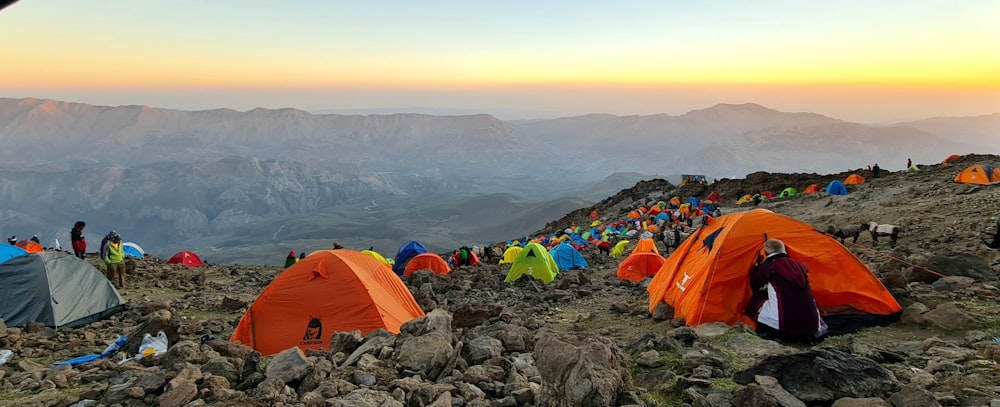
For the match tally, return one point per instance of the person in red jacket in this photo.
(77, 240)
(782, 302)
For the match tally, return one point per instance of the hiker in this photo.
(34, 238)
(463, 257)
(336, 246)
(782, 303)
(876, 170)
(302, 255)
(756, 199)
(104, 243)
(290, 259)
(12, 240)
(114, 258)
(77, 240)
(909, 163)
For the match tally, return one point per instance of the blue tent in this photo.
(133, 250)
(836, 188)
(694, 201)
(406, 253)
(567, 258)
(8, 252)
(663, 216)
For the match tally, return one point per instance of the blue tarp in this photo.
(406, 253)
(836, 188)
(8, 252)
(131, 251)
(567, 258)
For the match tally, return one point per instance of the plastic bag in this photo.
(152, 345)
(5, 356)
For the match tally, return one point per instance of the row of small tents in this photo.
(186, 258)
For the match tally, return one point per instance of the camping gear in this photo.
(811, 189)
(533, 261)
(980, 174)
(29, 246)
(640, 265)
(112, 348)
(186, 258)
(706, 278)
(510, 254)
(56, 289)
(8, 252)
(5, 355)
(788, 192)
(405, 253)
(836, 188)
(647, 245)
(426, 261)
(328, 291)
(133, 250)
(619, 249)
(567, 258)
(152, 345)
(854, 179)
(377, 256)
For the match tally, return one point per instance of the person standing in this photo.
(290, 259)
(782, 303)
(115, 261)
(909, 163)
(876, 170)
(77, 240)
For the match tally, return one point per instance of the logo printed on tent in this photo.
(314, 332)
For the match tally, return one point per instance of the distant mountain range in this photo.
(172, 179)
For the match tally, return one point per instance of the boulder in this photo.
(365, 398)
(345, 342)
(663, 312)
(913, 395)
(373, 343)
(962, 264)
(474, 314)
(765, 392)
(821, 376)
(424, 344)
(649, 358)
(289, 366)
(221, 366)
(865, 402)
(589, 371)
(480, 349)
(948, 316)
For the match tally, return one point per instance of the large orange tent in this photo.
(979, 174)
(811, 189)
(640, 265)
(427, 261)
(329, 291)
(707, 278)
(854, 179)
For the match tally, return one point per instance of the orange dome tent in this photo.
(186, 258)
(640, 265)
(328, 291)
(29, 246)
(707, 278)
(428, 261)
(811, 189)
(976, 174)
(951, 157)
(646, 245)
(854, 179)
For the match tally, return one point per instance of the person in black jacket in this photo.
(77, 240)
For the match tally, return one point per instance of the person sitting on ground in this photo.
(114, 258)
(782, 303)
(77, 240)
(290, 259)
(302, 255)
(336, 245)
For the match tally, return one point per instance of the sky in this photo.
(866, 61)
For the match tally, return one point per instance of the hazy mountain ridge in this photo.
(166, 177)
(985, 129)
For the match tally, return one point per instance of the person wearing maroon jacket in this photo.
(782, 303)
(77, 240)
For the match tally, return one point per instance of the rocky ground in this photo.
(585, 339)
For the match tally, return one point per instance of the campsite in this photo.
(568, 329)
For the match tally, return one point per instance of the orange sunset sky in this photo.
(855, 60)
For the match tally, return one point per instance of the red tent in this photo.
(186, 258)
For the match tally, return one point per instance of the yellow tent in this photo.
(619, 249)
(510, 254)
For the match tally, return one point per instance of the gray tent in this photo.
(56, 289)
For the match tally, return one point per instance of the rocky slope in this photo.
(585, 339)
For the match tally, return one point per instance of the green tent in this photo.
(619, 249)
(787, 192)
(534, 261)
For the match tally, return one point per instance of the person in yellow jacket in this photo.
(114, 258)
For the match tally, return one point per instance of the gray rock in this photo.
(911, 395)
(515, 338)
(289, 366)
(480, 349)
(685, 335)
(479, 374)
(361, 378)
(372, 344)
(365, 398)
(765, 392)
(712, 330)
(345, 342)
(589, 371)
(953, 283)
(649, 358)
(865, 402)
(823, 375)
(914, 314)
(221, 366)
(949, 316)
(269, 389)
(424, 344)
(474, 314)
(962, 264)
(181, 389)
(663, 312)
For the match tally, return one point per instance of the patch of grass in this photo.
(726, 384)
(663, 398)
(13, 394)
(736, 361)
(672, 361)
(200, 315)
